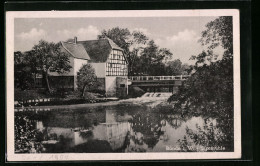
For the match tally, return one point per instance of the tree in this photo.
(132, 43)
(143, 55)
(24, 69)
(31, 62)
(165, 55)
(86, 78)
(148, 57)
(186, 69)
(18, 57)
(120, 36)
(219, 33)
(174, 67)
(209, 90)
(153, 59)
(50, 59)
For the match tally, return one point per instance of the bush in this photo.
(99, 91)
(86, 78)
(135, 92)
(90, 97)
(72, 95)
(27, 138)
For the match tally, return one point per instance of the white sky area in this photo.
(179, 34)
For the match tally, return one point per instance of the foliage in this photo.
(89, 97)
(22, 71)
(22, 95)
(143, 55)
(125, 39)
(215, 77)
(50, 58)
(135, 92)
(197, 93)
(208, 137)
(27, 138)
(209, 90)
(44, 57)
(219, 33)
(119, 35)
(152, 60)
(147, 57)
(86, 78)
(176, 67)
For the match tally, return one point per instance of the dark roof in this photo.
(76, 50)
(99, 50)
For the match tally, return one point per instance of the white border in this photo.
(11, 156)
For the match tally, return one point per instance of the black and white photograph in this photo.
(113, 85)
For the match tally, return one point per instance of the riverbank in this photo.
(150, 102)
(58, 101)
(22, 95)
(72, 106)
(39, 97)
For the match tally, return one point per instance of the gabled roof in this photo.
(99, 50)
(76, 50)
(113, 45)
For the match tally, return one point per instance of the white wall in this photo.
(100, 69)
(78, 63)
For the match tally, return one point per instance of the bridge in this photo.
(158, 83)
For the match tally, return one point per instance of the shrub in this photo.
(135, 91)
(86, 78)
(90, 97)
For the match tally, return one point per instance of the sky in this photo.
(179, 34)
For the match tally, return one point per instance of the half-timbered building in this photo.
(106, 58)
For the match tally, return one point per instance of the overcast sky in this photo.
(179, 34)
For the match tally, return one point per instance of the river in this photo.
(132, 125)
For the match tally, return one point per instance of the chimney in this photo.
(75, 40)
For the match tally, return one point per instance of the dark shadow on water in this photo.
(93, 146)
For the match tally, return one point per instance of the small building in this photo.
(106, 58)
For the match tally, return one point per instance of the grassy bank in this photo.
(67, 98)
(21, 95)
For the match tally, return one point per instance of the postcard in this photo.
(123, 85)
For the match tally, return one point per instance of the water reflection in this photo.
(207, 137)
(112, 129)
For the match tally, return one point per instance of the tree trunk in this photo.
(47, 82)
(34, 80)
(83, 92)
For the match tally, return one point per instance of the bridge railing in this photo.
(155, 78)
